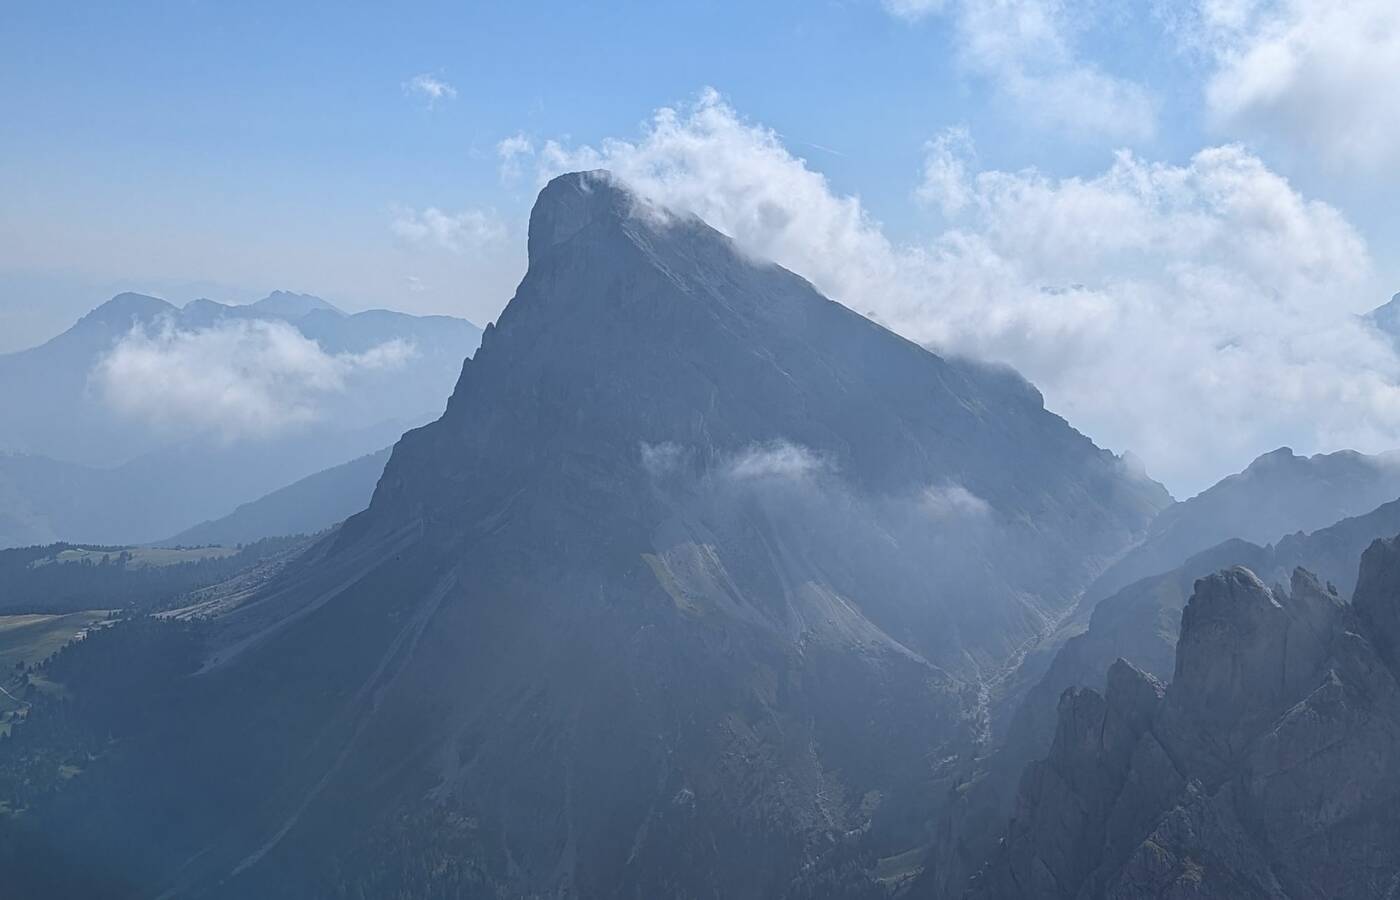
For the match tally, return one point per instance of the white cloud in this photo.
(779, 460)
(1027, 50)
(468, 231)
(240, 379)
(430, 88)
(946, 161)
(1319, 74)
(914, 10)
(953, 501)
(511, 152)
(1196, 314)
(661, 460)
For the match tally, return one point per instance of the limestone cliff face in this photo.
(1269, 768)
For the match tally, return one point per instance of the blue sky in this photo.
(247, 123)
(201, 148)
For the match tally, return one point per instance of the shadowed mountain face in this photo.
(687, 593)
(1277, 495)
(1266, 769)
(77, 465)
(1139, 624)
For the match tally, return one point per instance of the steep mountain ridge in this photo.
(689, 591)
(731, 363)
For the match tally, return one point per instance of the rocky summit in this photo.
(693, 590)
(1266, 769)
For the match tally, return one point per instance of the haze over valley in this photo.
(883, 450)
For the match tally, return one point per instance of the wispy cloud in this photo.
(778, 460)
(663, 459)
(431, 88)
(240, 379)
(1026, 49)
(946, 161)
(468, 231)
(952, 501)
(1150, 301)
(512, 152)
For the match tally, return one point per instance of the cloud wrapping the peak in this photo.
(1151, 302)
(239, 379)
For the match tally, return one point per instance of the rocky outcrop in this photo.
(1069, 806)
(1140, 623)
(1270, 767)
(1380, 571)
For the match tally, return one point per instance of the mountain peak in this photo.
(127, 307)
(1279, 456)
(571, 202)
(1386, 317)
(289, 305)
(1377, 597)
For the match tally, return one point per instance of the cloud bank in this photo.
(1197, 314)
(239, 379)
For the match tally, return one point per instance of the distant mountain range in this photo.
(75, 466)
(1279, 493)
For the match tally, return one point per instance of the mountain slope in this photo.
(312, 504)
(694, 580)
